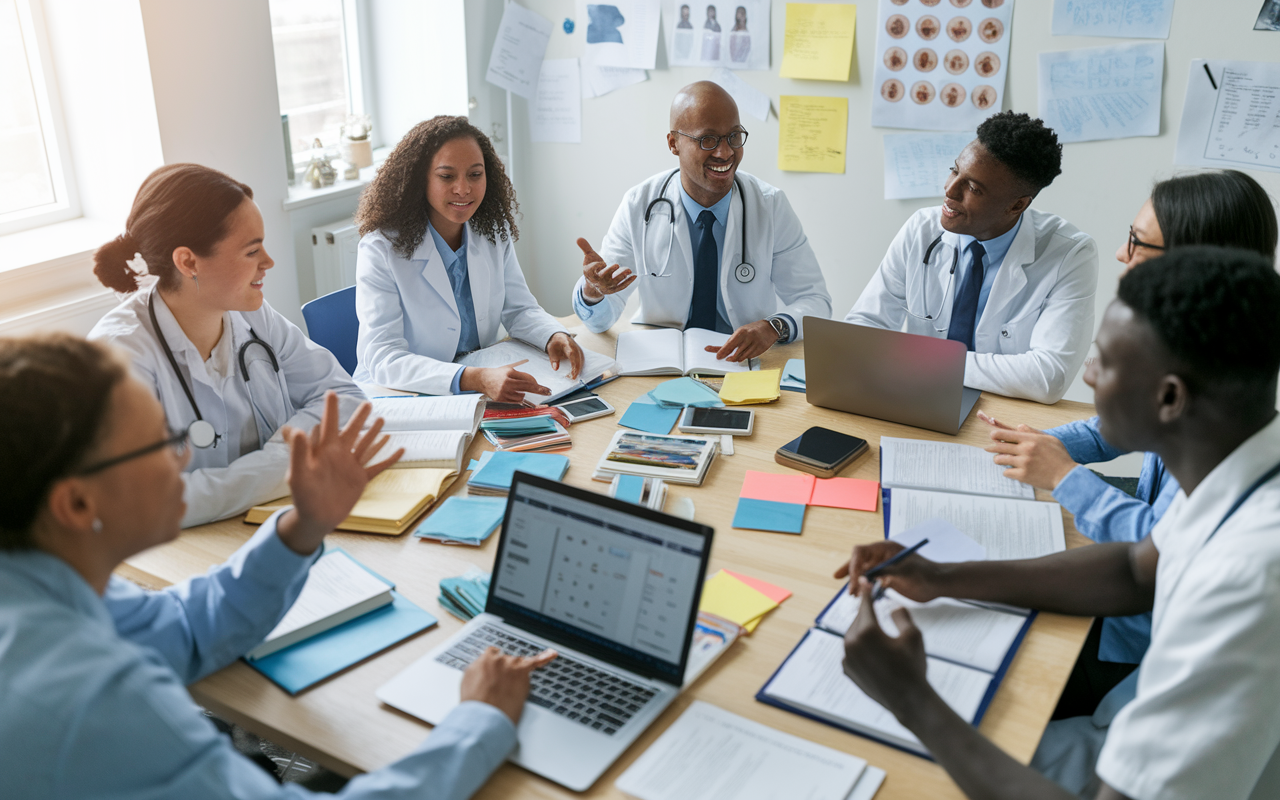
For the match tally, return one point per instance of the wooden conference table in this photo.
(340, 723)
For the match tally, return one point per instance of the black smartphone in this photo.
(822, 449)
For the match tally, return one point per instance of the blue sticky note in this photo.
(630, 488)
(768, 515)
(497, 470)
(463, 519)
(686, 392)
(649, 417)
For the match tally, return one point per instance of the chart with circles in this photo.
(940, 64)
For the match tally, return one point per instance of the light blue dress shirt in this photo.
(1105, 513)
(93, 698)
(996, 249)
(455, 263)
(692, 209)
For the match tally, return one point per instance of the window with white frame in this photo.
(35, 182)
(317, 68)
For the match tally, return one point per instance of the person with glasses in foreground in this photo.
(708, 246)
(1188, 356)
(94, 669)
(1226, 208)
(1015, 285)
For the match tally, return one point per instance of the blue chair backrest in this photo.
(332, 324)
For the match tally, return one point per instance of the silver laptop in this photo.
(614, 588)
(899, 377)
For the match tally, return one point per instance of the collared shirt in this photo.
(1206, 718)
(455, 263)
(93, 701)
(1104, 513)
(996, 250)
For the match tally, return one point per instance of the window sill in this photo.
(49, 245)
(302, 195)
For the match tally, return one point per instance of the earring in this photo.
(97, 525)
(196, 278)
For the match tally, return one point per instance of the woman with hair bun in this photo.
(203, 338)
(436, 270)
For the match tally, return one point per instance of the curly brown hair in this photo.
(396, 202)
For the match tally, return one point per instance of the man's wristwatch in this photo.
(780, 325)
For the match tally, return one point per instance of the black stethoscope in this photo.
(955, 261)
(201, 433)
(744, 272)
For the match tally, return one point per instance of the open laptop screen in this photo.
(609, 578)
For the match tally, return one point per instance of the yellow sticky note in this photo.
(819, 41)
(730, 598)
(812, 132)
(758, 386)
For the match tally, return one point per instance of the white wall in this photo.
(568, 190)
(213, 70)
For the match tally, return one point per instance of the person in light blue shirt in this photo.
(93, 670)
(1226, 208)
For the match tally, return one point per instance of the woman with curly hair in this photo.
(436, 270)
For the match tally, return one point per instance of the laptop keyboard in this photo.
(568, 687)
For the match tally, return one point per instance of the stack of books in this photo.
(465, 596)
(434, 431)
(492, 474)
(531, 434)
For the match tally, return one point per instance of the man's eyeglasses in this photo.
(1135, 242)
(736, 139)
(177, 441)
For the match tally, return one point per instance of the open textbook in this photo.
(389, 504)
(596, 368)
(958, 483)
(968, 648)
(434, 431)
(668, 351)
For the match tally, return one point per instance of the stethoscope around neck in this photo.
(928, 254)
(744, 272)
(201, 433)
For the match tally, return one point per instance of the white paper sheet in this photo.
(710, 34)
(750, 100)
(939, 67)
(598, 80)
(947, 466)
(711, 754)
(947, 543)
(1127, 19)
(623, 33)
(539, 366)
(917, 164)
(450, 412)
(1007, 529)
(1236, 124)
(518, 50)
(555, 111)
(1102, 92)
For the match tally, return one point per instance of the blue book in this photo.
(495, 470)
(310, 661)
(463, 520)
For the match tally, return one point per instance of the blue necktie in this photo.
(964, 312)
(706, 270)
(460, 281)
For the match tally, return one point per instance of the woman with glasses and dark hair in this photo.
(436, 270)
(199, 332)
(1225, 208)
(95, 668)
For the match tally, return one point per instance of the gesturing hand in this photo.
(328, 470)
(1031, 456)
(888, 668)
(747, 342)
(502, 681)
(601, 279)
(562, 346)
(501, 384)
(914, 576)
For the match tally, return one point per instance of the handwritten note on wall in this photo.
(1129, 19)
(555, 112)
(819, 41)
(1102, 92)
(915, 164)
(813, 133)
(1232, 116)
(518, 50)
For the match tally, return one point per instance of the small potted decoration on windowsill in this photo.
(357, 150)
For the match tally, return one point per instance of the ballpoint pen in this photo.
(877, 590)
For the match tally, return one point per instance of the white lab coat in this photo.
(409, 323)
(249, 463)
(787, 276)
(1035, 331)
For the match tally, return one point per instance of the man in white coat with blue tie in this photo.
(707, 246)
(1016, 285)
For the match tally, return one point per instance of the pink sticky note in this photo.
(779, 488)
(775, 593)
(851, 493)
